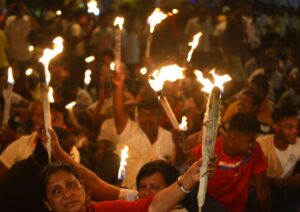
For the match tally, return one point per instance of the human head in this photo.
(260, 86)
(61, 188)
(249, 102)
(58, 115)
(155, 176)
(286, 123)
(36, 115)
(149, 114)
(240, 139)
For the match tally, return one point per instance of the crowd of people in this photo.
(257, 152)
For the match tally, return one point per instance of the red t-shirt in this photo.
(230, 183)
(140, 205)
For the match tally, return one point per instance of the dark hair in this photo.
(51, 169)
(109, 53)
(283, 111)
(60, 108)
(167, 170)
(255, 98)
(261, 81)
(149, 104)
(244, 123)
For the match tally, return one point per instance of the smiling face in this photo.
(288, 129)
(65, 193)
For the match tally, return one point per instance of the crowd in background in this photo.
(257, 46)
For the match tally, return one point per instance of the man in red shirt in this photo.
(239, 159)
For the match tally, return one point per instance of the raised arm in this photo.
(167, 198)
(120, 115)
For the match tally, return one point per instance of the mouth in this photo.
(71, 204)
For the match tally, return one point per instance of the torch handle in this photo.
(166, 106)
(148, 46)
(47, 118)
(118, 49)
(7, 104)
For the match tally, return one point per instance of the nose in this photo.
(67, 193)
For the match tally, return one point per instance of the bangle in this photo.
(181, 186)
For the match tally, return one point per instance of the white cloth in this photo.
(141, 150)
(78, 32)
(130, 47)
(287, 158)
(23, 148)
(17, 31)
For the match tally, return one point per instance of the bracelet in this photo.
(182, 188)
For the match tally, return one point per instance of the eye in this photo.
(56, 191)
(71, 184)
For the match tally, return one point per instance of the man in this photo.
(145, 139)
(282, 150)
(24, 146)
(238, 160)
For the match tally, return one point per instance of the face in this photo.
(246, 105)
(148, 119)
(57, 119)
(288, 129)
(244, 144)
(65, 193)
(151, 185)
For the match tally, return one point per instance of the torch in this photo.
(193, 45)
(87, 78)
(155, 18)
(48, 55)
(93, 7)
(210, 126)
(156, 81)
(8, 95)
(123, 163)
(119, 21)
(71, 114)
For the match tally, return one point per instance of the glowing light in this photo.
(10, 77)
(193, 45)
(208, 85)
(123, 162)
(28, 72)
(119, 21)
(168, 73)
(70, 105)
(112, 66)
(93, 7)
(50, 95)
(31, 48)
(49, 54)
(58, 12)
(155, 18)
(174, 11)
(143, 71)
(184, 124)
(87, 77)
(89, 59)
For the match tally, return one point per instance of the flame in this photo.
(49, 54)
(50, 95)
(155, 18)
(183, 125)
(10, 77)
(143, 71)
(87, 77)
(123, 162)
(70, 105)
(93, 7)
(28, 72)
(168, 73)
(119, 21)
(208, 85)
(89, 59)
(174, 11)
(193, 45)
(112, 66)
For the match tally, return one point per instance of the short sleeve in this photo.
(260, 161)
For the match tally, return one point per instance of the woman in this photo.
(63, 191)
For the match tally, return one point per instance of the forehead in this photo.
(288, 120)
(145, 111)
(60, 176)
(246, 137)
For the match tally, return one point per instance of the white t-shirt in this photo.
(23, 148)
(287, 158)
(141, 150)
